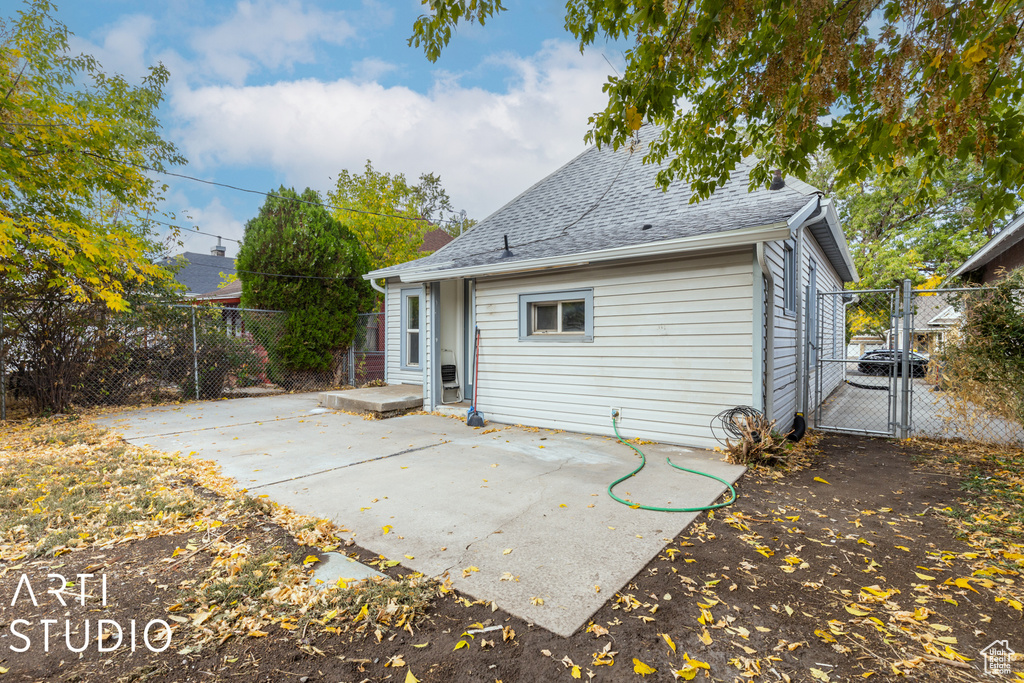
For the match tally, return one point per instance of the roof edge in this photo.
(743, 236)
(975, 261)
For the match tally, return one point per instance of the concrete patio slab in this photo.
(525, 505)
(389, 400)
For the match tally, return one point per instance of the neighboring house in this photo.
(200, 273)
(1005, 251)
(229, 297)
(934, 318)
(435, 239)
(595, 290)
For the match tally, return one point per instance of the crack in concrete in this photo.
(508, 521)
(206, 429)
(351, 464)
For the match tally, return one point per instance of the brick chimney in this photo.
(218, 250)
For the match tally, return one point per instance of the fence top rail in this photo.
(226, 308)
(952, 290)
(859, 291)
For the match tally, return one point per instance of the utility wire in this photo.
(194, 230)
(415, 219)
(170, 262)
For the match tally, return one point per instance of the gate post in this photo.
(195, 352)
(908, 332)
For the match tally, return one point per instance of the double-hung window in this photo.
(557, 316)
(412, 300)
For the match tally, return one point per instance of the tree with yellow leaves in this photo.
(75, 148)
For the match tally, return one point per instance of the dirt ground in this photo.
(878, 560)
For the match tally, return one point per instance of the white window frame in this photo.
(812, 311)
(790, 284)
(527, 316)
(407, 294)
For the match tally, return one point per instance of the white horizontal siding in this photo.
(672, 348)
(827, 281)
(785, 389)
(393, 372)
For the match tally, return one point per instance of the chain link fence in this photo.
(59, 354)
(860, 351)
(942, 363)
(970, 347)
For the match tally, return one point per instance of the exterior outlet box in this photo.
(616, 413)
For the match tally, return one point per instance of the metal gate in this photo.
(858, 361)
(877, 363)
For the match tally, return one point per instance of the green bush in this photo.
(983, 363)
(297, 258)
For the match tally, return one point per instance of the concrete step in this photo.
(388, 401)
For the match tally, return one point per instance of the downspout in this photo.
(373, 283)
(802, 342)
(769, 350)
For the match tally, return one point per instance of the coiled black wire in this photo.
(727, 420)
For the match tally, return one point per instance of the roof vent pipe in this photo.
(777, 182)
(508, 252)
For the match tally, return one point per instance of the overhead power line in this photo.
(194, 230)
(256, 272)
(415, 219)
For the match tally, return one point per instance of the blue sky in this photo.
(271, 92)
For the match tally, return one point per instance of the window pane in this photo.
(573, 316)
(546, 317)
(413, 349)
(413, 313)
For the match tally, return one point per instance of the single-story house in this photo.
(201, 273)
(934, 317)
(595, 290)
(1004, 252)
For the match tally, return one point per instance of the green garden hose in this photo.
(643, 463)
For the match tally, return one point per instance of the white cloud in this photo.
(486, 146)
(274, 35)
(371, 69)
(214, 218)
(123, 49)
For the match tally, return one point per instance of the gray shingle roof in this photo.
(201, 272)
(1010, 235)
(601, 200)
(927, 310)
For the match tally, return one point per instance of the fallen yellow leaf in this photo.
(819, 479)
(409, 678)
(459, 645)
(668, 639)
(641, 668)
(387, 529)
